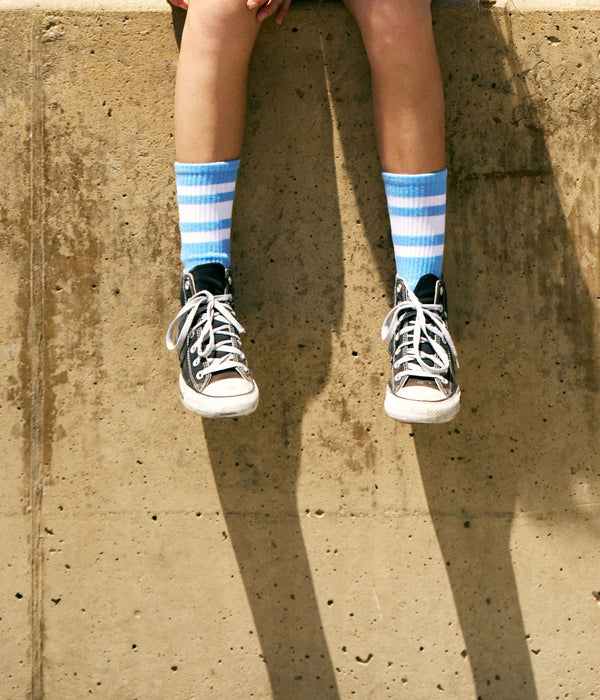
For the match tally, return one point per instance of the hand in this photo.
(266, 8)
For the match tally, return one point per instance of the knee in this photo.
(395, 29)
(215, 22)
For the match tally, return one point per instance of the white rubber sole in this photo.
(218, 406)
(408, 411)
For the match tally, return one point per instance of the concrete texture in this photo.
(316, 549)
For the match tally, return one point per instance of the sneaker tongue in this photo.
(210, 277)
(220, 337)
(425, 289)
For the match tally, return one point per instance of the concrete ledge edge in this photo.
(518, 6)
(86, 5)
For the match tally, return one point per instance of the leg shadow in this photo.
(289, 290)
(522, 317)
(178, 20)
(524, 321)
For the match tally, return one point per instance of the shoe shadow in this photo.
(523, 320)
(287, 273)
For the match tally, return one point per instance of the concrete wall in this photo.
(316, 549)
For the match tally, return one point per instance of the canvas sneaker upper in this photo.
(422, 386)
(215, 379)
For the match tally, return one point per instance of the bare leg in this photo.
(210, 108)
(408, 100)
(210, 95)
(408, 105)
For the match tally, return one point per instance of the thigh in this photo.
(220, 23)
(397, 28)
(389, 17)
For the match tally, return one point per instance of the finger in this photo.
(282, 12)
(267, 10)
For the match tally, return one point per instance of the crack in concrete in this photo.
(508, 174)
(35, 342)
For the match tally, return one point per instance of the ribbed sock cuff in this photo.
(417, 209)
(205, 193)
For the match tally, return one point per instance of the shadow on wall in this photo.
(523, 320)
(288, 306)
(525, 326)
(521, 317)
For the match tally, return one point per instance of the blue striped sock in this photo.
(417, 208)
(205, 197)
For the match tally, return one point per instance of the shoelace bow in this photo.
(424, 323)
(207, 309)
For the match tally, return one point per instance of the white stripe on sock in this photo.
(416, 225)
(200, 190)
(201, 213)
(415, 251)
(435, 200)
(193, 237)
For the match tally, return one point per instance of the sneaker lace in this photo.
(218, 327)
(420, 339)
